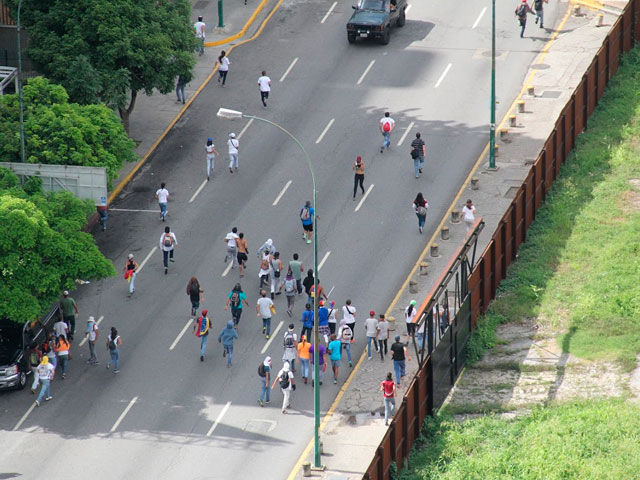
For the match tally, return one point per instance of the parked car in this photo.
(15, 341)
(374, 19)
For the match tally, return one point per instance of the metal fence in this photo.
(491, 267)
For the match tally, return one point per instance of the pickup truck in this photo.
(374, 19)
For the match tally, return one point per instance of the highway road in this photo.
(168, 415)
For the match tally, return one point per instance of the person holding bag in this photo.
(420, 206)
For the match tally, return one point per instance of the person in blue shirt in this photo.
(227, 336)
(323, 321)
(307, 322)
(306, 216)
(335, 355)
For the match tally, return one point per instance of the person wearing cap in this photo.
(399, 353)
(358, 167)
(226, 337)
(233, 145)
(211, 156)
(306, 216)
(371, 330)
(521, 12)
(69, 311)
(303, 355)
(264, 372)
(201, 330)
(290, 343)
(130, 270)
(91, 334)
(287, 383)
(409, 316)
(46, 371)
(323, 321)
(382, 335)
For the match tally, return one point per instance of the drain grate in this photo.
(511, 193)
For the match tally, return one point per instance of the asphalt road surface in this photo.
(167, 415)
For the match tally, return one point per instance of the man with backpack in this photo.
(521, 12)
(235, 298)
(287, 383)
(201, 330)
(290, 344)
(418, 152)
(539, 8)
(345, 334)
(387, 125)
(306, 217)
(168, 243)
(227, 336)
(264, 372)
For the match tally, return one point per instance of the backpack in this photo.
(261, 370)
(167, 240)
(289, 285)
(538, 5)
(235, 299)
(422, 210)
(347, 333)
(284, 380)
(112, 343)
(522, 11)
(194, 290)
(304, 214)
(386, 127)
(288, 340)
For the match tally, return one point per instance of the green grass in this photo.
(579, 269)
(585, 440)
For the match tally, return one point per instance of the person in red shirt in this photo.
(388, 388)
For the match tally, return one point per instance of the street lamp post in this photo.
(22, 150)
(233, 114)
(492, 125)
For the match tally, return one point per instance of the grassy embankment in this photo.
(578, 273)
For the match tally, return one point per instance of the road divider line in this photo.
(198, 191)
(123, 414)
(24, 417)
(272, 336)
(146, 259)
(228, 269)
(406, 132)
(329, 294)
(181, 334)
(326, 15)
(219, 418)
(244, 129)
(286, 72)
(475, 24)
(84, 340)
(326, 129)
(284, 189)
(324, 259)
(444, 74)
(366, 70)
(131, 210)
(364, 197)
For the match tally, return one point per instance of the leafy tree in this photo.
(130, 46)
(42, 248)
(62, 133)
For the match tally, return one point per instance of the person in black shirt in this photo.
(399, 353)
(418, 152)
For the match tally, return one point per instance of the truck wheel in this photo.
(23, 380)
(386, 36)
(351, 38)
(401, 19)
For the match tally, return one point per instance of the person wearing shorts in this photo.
(243, 250)
(306, 216)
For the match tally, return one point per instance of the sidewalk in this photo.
(354, 426)
(153, 116)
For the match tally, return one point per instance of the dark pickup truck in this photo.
(374, 18)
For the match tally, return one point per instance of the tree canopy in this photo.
(42, 249)
(62, 133)
(111, 49)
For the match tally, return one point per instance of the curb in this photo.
(244, 29)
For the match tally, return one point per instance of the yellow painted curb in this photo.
(590, 4)
(242, 32)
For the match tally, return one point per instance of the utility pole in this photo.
(492, 124)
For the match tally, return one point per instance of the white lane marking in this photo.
(407, 9)
(329, 294)
(324, 259)
(364, 197)
(24, 417)
(479, 17)
(272, 336)
(84, 340)
(366, 70)
(228, 269)
(326, 129)
(131, 210)
(219, 418)
(406, 132)
(244, 129)
(146, 259)
(329, 12)
(124, 414)
(181, 334)
(444, 74)
(198, 190)
(275, 202)
(286, 72)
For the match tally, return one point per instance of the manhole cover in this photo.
(511, 193)
(259, 426)
(540, 66)
(550, 94)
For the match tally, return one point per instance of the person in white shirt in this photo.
(168, 243)
(199, 27)
(232, 247)
(162, 194)
(264, 83)
(287, 383)
(383, 336)
(60, 328)
(91, 334)
(233, 145)
(264, 310)
(387, 125)
(211, 156)
(223, 67)
(469, 214)
(371, 329)
(349, 316)
(46, 372)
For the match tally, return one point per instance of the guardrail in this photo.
(491, 267)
